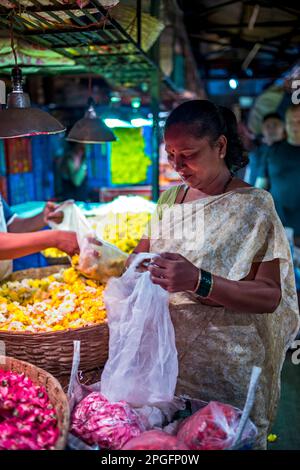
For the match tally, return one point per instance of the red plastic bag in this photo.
(154, 440)
(213, 427)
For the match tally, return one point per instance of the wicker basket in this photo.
(56, 395)
(53, 351)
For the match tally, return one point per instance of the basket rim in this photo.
(51, 333)
(26, 363)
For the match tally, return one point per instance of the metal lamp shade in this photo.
(19, 119)
(21, 122)
(90, 129)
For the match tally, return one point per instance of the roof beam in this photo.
(263, 24)
(209, 10)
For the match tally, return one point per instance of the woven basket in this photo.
(53, 351)
(56, 395)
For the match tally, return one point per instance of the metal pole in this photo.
(155, 99)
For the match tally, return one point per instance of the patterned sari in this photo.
(218, 347)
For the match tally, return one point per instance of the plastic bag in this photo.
(154, 440)
(74, 220)
(110, 425)
(96, 421)
(98, 259)
(214, 427)
(142, 367)
(232, 424)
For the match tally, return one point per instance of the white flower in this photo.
(3, 308)
(91, 290)
(16, 324)
(63, 293)
(2, 318)
(66, 307)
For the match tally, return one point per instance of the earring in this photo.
(222, 155)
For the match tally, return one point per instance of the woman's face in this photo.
(197, 161)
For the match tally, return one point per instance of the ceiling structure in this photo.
(81, 36)
(245, 39)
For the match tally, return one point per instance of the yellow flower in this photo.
(54, 253)
(56, 303)
(272, 437)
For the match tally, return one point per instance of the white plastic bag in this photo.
(74, 220)
(142, 367)
(98, 259)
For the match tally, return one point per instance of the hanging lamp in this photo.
(19, 119)
(90, 129)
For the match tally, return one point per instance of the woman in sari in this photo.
(223, 255)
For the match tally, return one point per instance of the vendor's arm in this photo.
(261, 294)
(32, 224)
(15, 245)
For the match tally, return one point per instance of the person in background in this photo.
(73, 170)
(272, 131)
(20, 237)
(280, 173)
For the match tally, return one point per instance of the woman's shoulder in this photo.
(238, 183)
(254, 196)
(169, 195)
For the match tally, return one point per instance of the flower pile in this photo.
(57, 302)
(125, 230)
(27, 418)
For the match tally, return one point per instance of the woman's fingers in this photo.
(170, 256)
(160, 262)
(160, 281)
(156, 271)
(164, 259)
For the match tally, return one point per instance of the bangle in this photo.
(198, 282)
(206, 284)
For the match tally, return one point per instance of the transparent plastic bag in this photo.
(218, 426)
(142, 367)
(98, 260)
(214, 427)
(74, 220)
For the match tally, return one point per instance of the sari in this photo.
(217, 347)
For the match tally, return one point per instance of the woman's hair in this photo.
(206, 119)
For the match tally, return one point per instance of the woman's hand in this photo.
(142, 267)
(173, 272)
(66, 241)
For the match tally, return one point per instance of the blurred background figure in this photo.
(272, 131)
(73, 173)
(281, 173)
